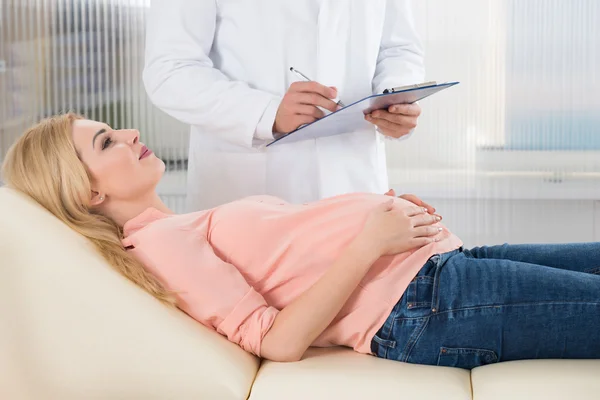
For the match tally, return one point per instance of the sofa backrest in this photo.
(73, 328)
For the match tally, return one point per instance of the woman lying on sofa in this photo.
(372, 272)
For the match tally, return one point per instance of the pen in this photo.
(301, 75)
(408, 87)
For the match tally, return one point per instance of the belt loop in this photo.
(391, 344)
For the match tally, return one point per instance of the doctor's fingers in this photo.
(398, 119)
(388, 128)
(314, 99)
(412, 110)
(304, 109)
(313, 87)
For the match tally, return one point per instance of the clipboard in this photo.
(351, 117)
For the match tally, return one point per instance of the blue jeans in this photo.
(474, 307)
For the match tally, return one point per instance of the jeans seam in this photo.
(517, 305)
(412, 341)
(387, 330)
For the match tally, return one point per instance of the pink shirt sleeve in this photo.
(210, 290)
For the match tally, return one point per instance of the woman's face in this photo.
(122, 168)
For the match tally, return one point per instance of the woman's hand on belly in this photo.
(392, 231)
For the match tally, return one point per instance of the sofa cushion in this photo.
(538, 379)
(72, 328)
(343, 374)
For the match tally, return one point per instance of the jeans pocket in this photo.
(465, 358)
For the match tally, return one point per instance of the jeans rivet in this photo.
(434, 310)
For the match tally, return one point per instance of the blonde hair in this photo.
(44, 165)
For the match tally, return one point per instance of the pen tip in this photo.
(292, 69)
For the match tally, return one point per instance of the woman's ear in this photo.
(97, 198)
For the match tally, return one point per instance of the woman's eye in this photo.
(106, 142)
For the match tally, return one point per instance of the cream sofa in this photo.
(72, 328)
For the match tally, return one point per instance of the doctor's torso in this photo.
(333, 42)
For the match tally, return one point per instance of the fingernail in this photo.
(439, 229)
(436, 240)
(339, 107)
(438, 219)
(424, 210)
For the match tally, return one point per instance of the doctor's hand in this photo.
(397, 121)
(299, 105)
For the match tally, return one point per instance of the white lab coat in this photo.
(223, 66)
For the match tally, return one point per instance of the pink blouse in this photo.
(235, 266)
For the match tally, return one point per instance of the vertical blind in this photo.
(527, 109)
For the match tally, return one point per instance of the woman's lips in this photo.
(145, 152)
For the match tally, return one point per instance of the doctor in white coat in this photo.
(223, 67)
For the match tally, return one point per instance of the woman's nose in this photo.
(133, 136)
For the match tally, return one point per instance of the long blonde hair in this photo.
(44, 165)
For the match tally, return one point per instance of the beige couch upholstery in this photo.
(72, 328)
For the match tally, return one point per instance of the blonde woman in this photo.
(372, 272)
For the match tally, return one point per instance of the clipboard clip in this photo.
(408, 87)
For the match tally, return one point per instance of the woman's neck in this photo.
(123, 211)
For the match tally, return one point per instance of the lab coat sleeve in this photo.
(400, 60)
(181, 80)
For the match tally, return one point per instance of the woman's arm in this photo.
(298, 325)
(388, 231)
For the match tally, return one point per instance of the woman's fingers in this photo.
(426, 231)
(414, 210)
(425, 219)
